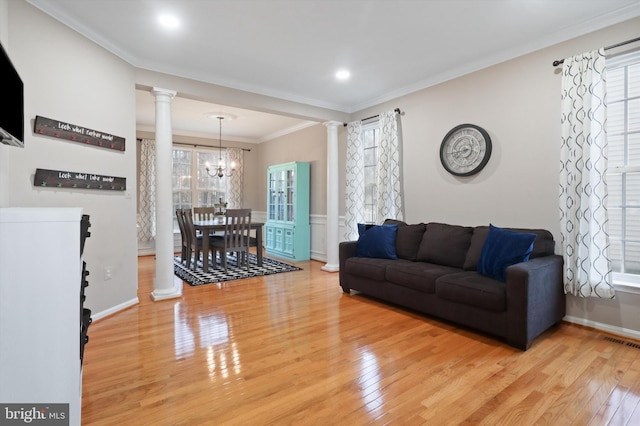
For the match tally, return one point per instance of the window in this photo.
(204, 190)
(623, 135)
(371, 138)
(182, 179)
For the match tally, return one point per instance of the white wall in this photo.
(309, 144)
(518, 103)
(68, 78)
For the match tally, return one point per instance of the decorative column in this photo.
(333, 261)
(166, 285)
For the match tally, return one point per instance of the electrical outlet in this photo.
(107, 273)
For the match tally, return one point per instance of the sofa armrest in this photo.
(346, 250)
(535, 298)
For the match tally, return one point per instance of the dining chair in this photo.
(195, 241)
(236, 237)
(186, 245)
(204, 213)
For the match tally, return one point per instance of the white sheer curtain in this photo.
(388, 174)
(583, 187)
(389, 168)
(147, 191)
(354, 179)
(235, 182)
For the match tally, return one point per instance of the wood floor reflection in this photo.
(292, 349)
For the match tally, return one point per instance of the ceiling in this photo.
(197, 119)
(291, 49)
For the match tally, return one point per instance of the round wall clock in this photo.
(465, 150)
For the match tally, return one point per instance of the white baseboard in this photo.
(146, 252)
(620, 331)
(320, 257)
(115, 309)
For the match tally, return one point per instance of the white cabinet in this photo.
(40, 276)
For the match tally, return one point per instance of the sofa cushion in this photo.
(389, 221)
(408, 238)
(377, 241)
(542, 246)
(368, 267)
(419, 276)
(471, 288)
(445, 244)
(504, 248)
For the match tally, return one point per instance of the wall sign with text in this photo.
(62, 179)
(75, 133)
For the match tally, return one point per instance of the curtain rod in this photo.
(196, 145)
(397, 110)
(561, 61)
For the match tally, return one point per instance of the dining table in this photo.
(218, 224)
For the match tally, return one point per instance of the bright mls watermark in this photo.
(34, 414)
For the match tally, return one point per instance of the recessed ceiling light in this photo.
(343, 75)
(169, 21)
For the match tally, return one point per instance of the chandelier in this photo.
(219, 171)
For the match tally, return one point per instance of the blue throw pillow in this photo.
(377, 241)
(504, 248)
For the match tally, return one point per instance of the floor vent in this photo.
(623, 342)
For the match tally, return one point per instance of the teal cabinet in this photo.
(287, 231)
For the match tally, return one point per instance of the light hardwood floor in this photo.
(293, 349)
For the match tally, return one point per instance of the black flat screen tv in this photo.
(12, 116)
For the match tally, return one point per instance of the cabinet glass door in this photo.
(290, 195)
(281, 194)
(273, 196)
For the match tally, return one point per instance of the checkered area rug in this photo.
(216, 275)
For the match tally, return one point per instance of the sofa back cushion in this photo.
(543, 245)
(408, 238)
(445, 244)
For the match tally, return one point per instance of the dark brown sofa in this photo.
(435, 274)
